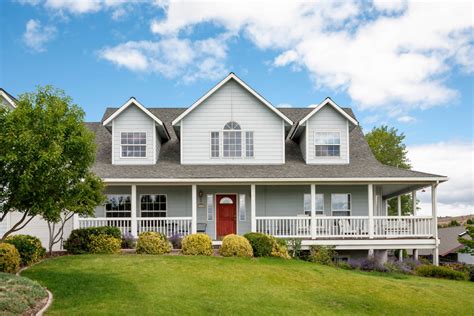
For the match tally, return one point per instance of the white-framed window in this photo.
(215, 145)
(319, 204)
(133, 144)
(153, 205)
(210, 207)
(242, 208)
(327, 144)
(249, 150)
(341, 204)
(232, 142)
(118, 205)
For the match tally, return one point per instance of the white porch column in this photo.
(75, 221)
(193, 209)
(313, 211)
(415, 254)
(253, 208)
(370, 197)
(400, 255)
(399, 205)
(133, 216)
(413, 200)
(435, 224)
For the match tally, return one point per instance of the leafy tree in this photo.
(45, 155)
(388, 147)
(468, 244)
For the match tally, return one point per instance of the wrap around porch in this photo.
(309, 211)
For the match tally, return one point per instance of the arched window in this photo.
(232, 126)
(232, 140)
(226, 200)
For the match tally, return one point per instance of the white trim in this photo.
(236, 212)
(350, 204)
(126, 105)
(193, 208)
(370, 199)
(253, 208)
(7, 98)
(146, 145)
(219, 85)
(335, 106)
(133, 211)
(419, 180)
(210, 144)
(140, 202)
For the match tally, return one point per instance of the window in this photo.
(210, 207)
(226, 200)
(118, 205)
(133, 144)
(319, 204)
(249, 144)
(242, 208)
(341, 204)
(214, 144)
(153, 205)
(232, 140)
(327, 144)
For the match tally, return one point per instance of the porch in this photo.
(312, 212)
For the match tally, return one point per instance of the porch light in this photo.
(201, 194)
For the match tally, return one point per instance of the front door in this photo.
(226, 215)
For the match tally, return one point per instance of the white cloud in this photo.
(381, 54)
(36, 36)
(406, 119)
(452, 159)
(171, 57)
(84, 6)
(284, 105)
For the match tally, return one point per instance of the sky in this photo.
(408, 65)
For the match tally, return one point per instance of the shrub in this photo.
(322, 255)
(29, 248)
(294, 247)
(104, 244)
(262, 245)
(279, 248)
(9, 258)
(128, 241)
(176, 240)
(197, 244)
(344, 265)
(367, 264)
(235, 246)
(79, 240)
(471, 273)
(152, 243)
(440, 272)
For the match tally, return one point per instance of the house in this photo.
(449, 246)
(7, 99)
(233, 163)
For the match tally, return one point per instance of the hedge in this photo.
(80, 239)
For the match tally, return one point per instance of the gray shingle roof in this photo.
(362, 162)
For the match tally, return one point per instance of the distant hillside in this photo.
(443, 221)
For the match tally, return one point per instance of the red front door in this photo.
(226, 214)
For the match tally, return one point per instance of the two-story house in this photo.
(233, 163)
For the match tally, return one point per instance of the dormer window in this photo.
(235, 142)
(327, 144)
(133, 144)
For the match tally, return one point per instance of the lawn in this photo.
(140, 284)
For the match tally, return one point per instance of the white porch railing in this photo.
(284, 226)
(402, 226)
(123, 223)
(166, 225)
(345, 226)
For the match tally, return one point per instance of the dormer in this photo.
(137, 134)
(232, 124)
(7, 99)
(323, 134)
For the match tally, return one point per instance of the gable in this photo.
(7, 99)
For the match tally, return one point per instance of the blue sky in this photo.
(399, 63)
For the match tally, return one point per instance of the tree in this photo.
(388, 147)
(468, 244)
(46, 153)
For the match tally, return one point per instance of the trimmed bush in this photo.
(29, 248)
(322, 255)
(104, 244)
(262, 245)
(152, 243)
(280, 248)
(79, 240)
(9, 258)
(197, 245)
(235, 246)
(440, 272)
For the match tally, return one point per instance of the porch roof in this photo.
(363, 164)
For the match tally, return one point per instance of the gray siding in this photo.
(133, 120)
(246, 110)
(327, 120)
(303, 145)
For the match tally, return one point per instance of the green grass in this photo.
(140, 284)
(18, 294)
